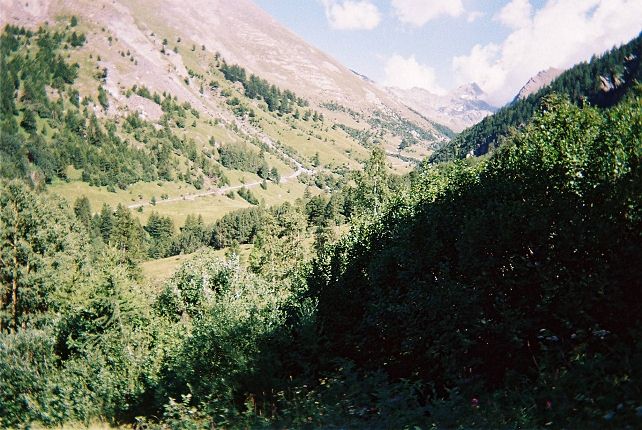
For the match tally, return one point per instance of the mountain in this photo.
(603, 82)
(185, 109)
(258, 43)
(509, 254)
(537, 82)
(459, 109)
(316, 287)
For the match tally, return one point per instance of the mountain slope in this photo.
(257, 42)
(537, 82)
(524, 266)
(459, 109)
(154, 84)
(601, 82)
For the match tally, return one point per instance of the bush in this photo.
(233, 316)
(247, 195)
(504, 275)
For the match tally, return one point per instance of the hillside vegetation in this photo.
(601, 82)
(69, 127)
(500, 292)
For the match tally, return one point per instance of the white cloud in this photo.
(419, 12)
(516, 14)
(560, 34)
(474, 15)
(406, 73)
(352, 14)
(480, 66)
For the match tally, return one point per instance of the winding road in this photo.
(251, 131)
(220, 191)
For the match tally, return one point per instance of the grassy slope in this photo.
(303, 139)
(299, 138)
(156, 272)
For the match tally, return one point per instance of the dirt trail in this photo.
(218, 191)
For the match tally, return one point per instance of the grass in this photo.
(305, 138)
(277, 194)
(273, 161)
(211, 208)
(299, 139)
(156, 272)
(99, 195)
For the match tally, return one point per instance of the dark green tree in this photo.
(105, 222)
(29, 121)
(82, 209)
(161, 233)
(36, 237)
(102, 98)
(192, 235)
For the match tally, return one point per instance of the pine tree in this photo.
(105, 222)
(192, 236)
(127, 234)
(36, 241)
(7, 91)
(102, 98)
(161, 233)
(275, 176)
(278, 242)
(29, 121)
(82, 209)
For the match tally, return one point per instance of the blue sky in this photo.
(440, 44)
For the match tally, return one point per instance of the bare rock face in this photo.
(461, 108)
(537, 82)
(606, 85)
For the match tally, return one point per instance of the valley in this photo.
(208, 222)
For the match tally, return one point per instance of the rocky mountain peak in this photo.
(537, 82)
(470, 91)
(459, 109)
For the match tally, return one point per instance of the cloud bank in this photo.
(419, 12)
(406, 73)
(560, 34)
(352, 14)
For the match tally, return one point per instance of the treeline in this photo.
(239, 156)
(160, 237)
(54, 134)
(28, 66)
(602, 82)
(41, 136)
(281, 101)
(496, 292)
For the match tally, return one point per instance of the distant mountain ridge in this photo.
(240, 31)
(459, 109)
(537, 82)
(602, 82)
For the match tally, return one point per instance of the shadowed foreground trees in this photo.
(516, 274)
(498, 293)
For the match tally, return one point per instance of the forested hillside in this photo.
(601, 82)
(491, 293)
(511, 281)
(310, 278)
